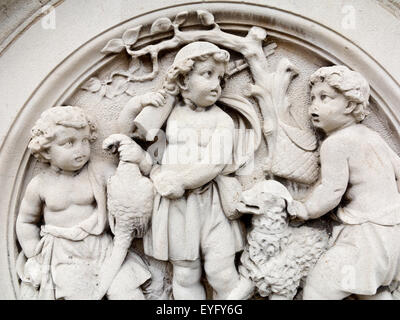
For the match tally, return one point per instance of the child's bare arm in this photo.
(193, 175)
(395, 160)
(334, 180)
(29, 216)
(128, 114)
(133, 108)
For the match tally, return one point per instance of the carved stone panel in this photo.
(221, 150)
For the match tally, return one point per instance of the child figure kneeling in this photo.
(361, 172)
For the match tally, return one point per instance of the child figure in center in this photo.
(190, 224)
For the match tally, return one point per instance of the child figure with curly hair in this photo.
(193, 223)
(62, 221)
(360, 172)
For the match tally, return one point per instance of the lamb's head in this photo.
(267, 201)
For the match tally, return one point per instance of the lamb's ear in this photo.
(288, 215)
(286, 203)
(350, 107)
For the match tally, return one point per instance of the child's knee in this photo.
(320, 285)
(123, 289)
(186, 273)
(117, 292)
(126, 285)
(221, 272)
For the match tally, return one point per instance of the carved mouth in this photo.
(315, 116)
(80, 158)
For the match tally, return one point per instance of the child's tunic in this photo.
(359, 171)
(196, 225)
(71, 258)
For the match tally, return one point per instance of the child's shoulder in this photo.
(344, 138)
(351, 134)
(38, 181)
(222, 116)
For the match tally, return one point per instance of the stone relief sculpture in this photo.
(360, 172)
(277, 256)
(187, 199)
(130, 204)
(65, 253)
(292, 147)
(189, 223)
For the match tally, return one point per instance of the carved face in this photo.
(330, 110)
(203, 83)
(259, 199)
(70, 150)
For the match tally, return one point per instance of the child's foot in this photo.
(244, 290)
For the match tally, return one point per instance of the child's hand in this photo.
(33, 272)
(128, 149)
(132, 153)
(297, 210)
(167, 184)
(156, 99)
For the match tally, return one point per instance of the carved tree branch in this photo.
(250, 46)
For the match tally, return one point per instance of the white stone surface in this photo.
(42, 67)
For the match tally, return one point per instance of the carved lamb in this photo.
(130, 202)
(277, 256)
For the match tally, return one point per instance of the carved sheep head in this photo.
(267, 201)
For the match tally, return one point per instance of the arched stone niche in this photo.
(306, 37)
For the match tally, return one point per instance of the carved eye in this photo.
(312, 98)
(68, 144)
(207, 74)
(325, 98)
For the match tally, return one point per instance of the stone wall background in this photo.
(17, 14)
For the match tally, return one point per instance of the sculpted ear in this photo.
(350, 107)
(46, 154)
(181, 82)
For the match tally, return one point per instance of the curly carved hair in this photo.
(44, 131)
(179, 70)
(350, 83)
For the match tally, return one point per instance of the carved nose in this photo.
(313, 107)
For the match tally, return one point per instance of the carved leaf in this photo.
(161, 25)
(92, 85)
(114, 46)
(117, 87)
(103, 91)
(130, 36)
(206, 18)
(110, 93)
(121, 86)
(132, 89)
(181, 18)
(134, 65)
